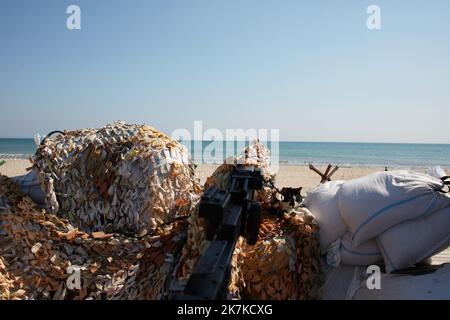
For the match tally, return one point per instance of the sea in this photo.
(297, 153)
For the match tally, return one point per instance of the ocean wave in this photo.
(388, 165)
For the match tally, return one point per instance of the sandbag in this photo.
(342, 252)
(30, 185)
(373, 204)
(413, 241)
(322, 203)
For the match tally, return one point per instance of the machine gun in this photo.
(229, 214)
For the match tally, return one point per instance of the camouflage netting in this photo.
(123, 210)
(120, 178)
(284, 263)
(117, 202)
(37, 250)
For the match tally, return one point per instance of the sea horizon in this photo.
(344, 154)
(294, 141)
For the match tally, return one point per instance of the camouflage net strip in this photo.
(38, 249)
(119, 178)
(284, 264)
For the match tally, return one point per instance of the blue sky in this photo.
(309, 68)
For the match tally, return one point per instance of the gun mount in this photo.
(229, 214)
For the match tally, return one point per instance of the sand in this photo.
(300, 176)
(287, 176)
(14, 167)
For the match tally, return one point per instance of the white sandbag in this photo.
(436, 172)
(322, 202)
(30, 185)
(342, 252)
(372, 204)
(413, 241)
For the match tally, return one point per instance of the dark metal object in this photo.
(50, 134)
(446, 181)
(419, 270)
(229, 213)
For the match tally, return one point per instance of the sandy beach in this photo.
(16, 167)
(300, 176)
(287, 176)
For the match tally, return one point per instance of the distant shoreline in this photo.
(293, 141)
(13, 157)
(363, 155)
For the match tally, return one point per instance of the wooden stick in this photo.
(327, 171)
(315, 170)
(332, 172)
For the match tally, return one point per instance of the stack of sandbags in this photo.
(335, 239)
(322, 203)
(416, 240)
(119, 178)
(373, 204)
(406, 213)
(344, 252)
(39, 252)
(378, 217)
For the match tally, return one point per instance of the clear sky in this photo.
(309, 68)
